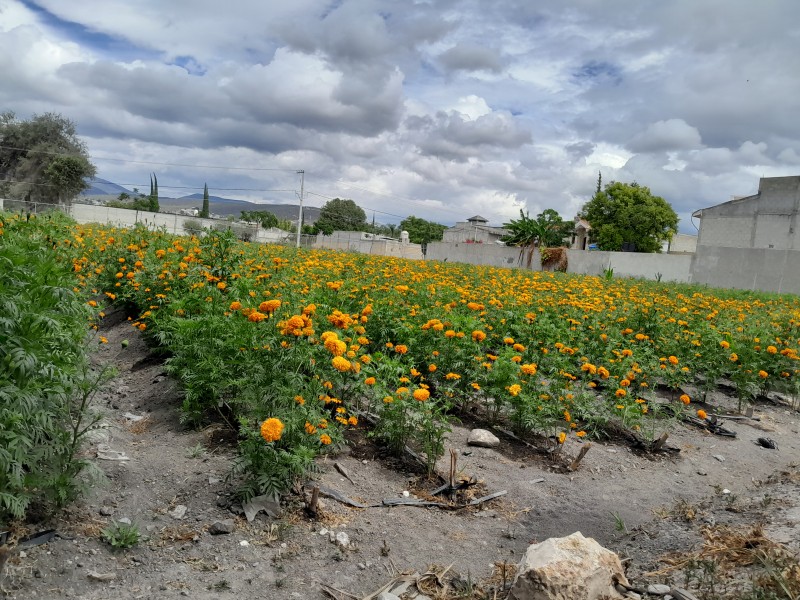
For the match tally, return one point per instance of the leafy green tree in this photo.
(421, 231)
(42, 159)
(627, 214)
(555, 229)
(263, 217)
(526, 233)
(340, 215)
(206, 210)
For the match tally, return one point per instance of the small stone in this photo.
(220, 527)
(362, 566)
(701, 472)
(106, 511)
(244, 543)
(23, 554)
(633, 595)
(406, 494)
(726, 491)
(124, 520)
(213, 480)
(95, 576)
(387, 596)
(658, 589)
(178, 512)
(342, 540)
(719, 457)
(323, 531)
(483, 438)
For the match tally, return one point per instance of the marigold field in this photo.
(292, 347)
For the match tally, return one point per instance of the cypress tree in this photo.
(206, 208)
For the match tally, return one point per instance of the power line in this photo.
(363, 207)
(150, 162)
(428, 206)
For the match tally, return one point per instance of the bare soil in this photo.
(650, 509)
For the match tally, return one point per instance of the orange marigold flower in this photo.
(431, 368)
(421, 395)
(515, 389)
(325, 439)
(603, 372)
(310, 429)
(401, 348)
(580, 434)
(271, 429)
(772, 349)
(449, 333)
(763, 374)
(340, 364)
(300, 400)
(724, 344)
(452, 376)
(529, 369)
(269, 306)
(734, 357)
(256, 317)
(221, 285)
(673, 360)
(685, 398)
(478, 335)
(620, 393)
(236, 305)
(562, 437)
(701, 414)
(369, 381)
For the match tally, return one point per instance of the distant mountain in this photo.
(104, 190)
(103, 187)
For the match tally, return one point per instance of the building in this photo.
(474, 230)
(752, 242)
(768, 219)
(580, 235)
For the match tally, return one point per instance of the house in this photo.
(474, 230)
(580, 235)
(768, 219)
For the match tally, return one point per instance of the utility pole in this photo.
(302, 174)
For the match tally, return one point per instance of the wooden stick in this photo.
(659, 443)
(584, 449)
(313, 505)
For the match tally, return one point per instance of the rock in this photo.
(342, 540)
(220, 527)
(178, 512)
(124, 521)
(682, 594)
(387, 596)
(106, 511)
(658, 589)
(573, 567)
(95, 576)
(266, 503)
(719, 457)
(483, 438)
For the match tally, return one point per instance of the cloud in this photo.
(471, 57)
(662, 136)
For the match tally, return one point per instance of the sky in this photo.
(440, 109)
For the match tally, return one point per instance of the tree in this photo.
(421, 231)
(526, 233)
(42, 159)
(265, 218)
(206, 211)
(152, 199)
(340, 215)
(554, 228)
(627, 215)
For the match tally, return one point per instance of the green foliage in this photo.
(421, 231)
(263, 217)
(340, 215)
(45, 379)
(628, 214)
(547, 229)
(205, 212)
(152, 199)
(42, 159)
(121, 536)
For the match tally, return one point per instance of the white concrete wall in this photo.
(763, 269)
(351, 241)
(682, 242)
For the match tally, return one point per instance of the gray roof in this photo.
(477, 219)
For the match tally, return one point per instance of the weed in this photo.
(220, 586)
(121, 535)
(619, 524)
(198, 451)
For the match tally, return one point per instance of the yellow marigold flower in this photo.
(580, 434)
(763, 374)
(519, 347)
(352, 421)
(401, 348)
(325, 439)
(401, 390)
(369, 381)
(300, 400)
(772, 349)
(388, 400)
(620, 393)
(323, 424)
(508, 340)
(734, 357)
(103, 340)
(516, 359)
(452, 376)
(627, 352)
(528, 369)
(271, 429)
(449, 333)
(310, 429)
(515, 389)
(478, 335)
(340, 364)
(255, 317)
(589, 368)
(724, 344)
(562, 437)
(431, 368)
(685, 398)
(624, 383)
(603, 372)
(701, 414)
(221, 285)
(673, 360)
(475, 385)
(421, 395)
(235, 305)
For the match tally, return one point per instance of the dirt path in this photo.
(612, 497)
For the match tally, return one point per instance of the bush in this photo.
(192, 227)
(44, 373)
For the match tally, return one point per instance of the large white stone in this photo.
(483, 438)
(568, 568)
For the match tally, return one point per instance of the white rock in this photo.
(342, 540)
(573, 567)
(483, 438)
(178, 512)
(658, 589)
(244, 543)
